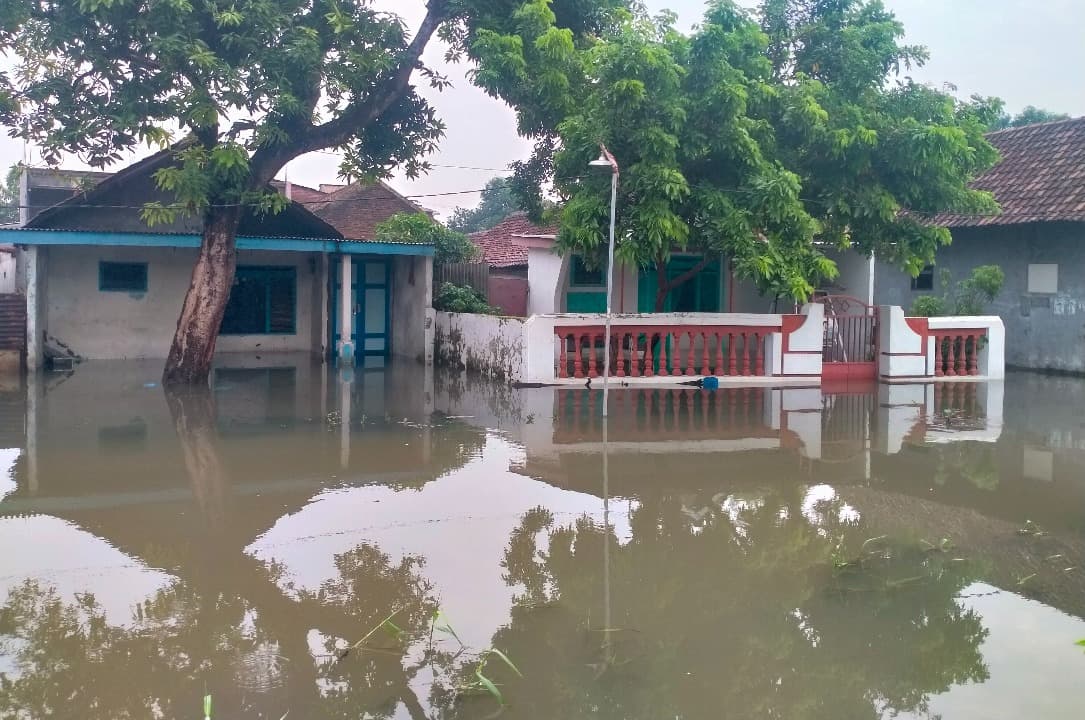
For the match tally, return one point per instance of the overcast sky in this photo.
(1028, 52)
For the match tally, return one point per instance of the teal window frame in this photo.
(104, 286)
(581, 277)
(265, 274)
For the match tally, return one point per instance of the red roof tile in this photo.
(357, 209)
(1041, 177)
(498, 246)
(300, 193)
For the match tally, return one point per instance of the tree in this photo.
(450, 246)
(252, 86)
(992, 112)
(496, 203)
(9, 195)
(767, 143)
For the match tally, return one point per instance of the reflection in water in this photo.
(285, 541)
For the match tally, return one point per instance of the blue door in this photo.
(370, 292)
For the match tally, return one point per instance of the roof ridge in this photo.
(1036, 125)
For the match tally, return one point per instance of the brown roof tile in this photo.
(300, 193)
(357, 209)
(498, 246)
(1041, 177)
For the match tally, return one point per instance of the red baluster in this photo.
(618, 354)
(705, 369)
(578, 361)
(563, 358)
(759, 368)
(974, 358)
(666, 354)
(675, 355)
(634, 353)
(717, 340)
(649, 362)
(689, 358)
(951, 361)
(938, 359)
(745, 354)
(592, 370)
(732, 365)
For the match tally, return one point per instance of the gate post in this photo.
(903, 344)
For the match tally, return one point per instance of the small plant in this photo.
(462, 299)
(484, 684)
(971, 296)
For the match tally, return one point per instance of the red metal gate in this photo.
(851, 339)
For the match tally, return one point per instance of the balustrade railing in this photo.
(957, 351)
(650, 351)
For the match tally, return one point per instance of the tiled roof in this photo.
(498, 246)
(357, 209)
(1041, 177)
(300, 193)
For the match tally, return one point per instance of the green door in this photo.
(701, 293)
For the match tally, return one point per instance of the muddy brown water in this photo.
(351, 544)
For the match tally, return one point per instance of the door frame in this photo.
(358, 286)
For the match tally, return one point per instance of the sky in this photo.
(1027, 52)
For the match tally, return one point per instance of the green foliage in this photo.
(9, 195)
(462, 299)
(767, 143)
(255, 84)
(929, 306)
(971, 296)
(496, 204)
(994, 116)
(449, 246)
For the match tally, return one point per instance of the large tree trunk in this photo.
(189, 361)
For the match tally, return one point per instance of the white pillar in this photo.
(35, 307)
(870, 282)
(545, 281)
(33, 410)
(346, 382)
(346, 347)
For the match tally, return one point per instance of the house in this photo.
(1038, 240)
(101, 284)
(517, 248)
(507, 287)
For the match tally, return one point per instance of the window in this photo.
(581, 276)
(122, 277)
(924, 280)
(262, 302)
(1043, 279)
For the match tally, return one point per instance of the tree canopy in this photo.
(450, 246)
(9, 195)
(496, 203)
(768, 139)
(252, 85)
(992, 111)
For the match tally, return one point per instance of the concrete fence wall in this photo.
(911, 348)
(525, 351)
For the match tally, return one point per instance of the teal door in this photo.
(371, 296)
(701, 293)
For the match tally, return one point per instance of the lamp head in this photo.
(601, 163)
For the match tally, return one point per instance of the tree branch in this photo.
(691, 273)
(360, 115)
(267, 161)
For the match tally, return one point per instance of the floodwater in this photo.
(323, 544)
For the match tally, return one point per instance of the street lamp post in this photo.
(606, 160)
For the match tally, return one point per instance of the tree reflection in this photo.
(247, 643)
(741, 602)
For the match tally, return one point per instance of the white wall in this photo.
(7, 272)
(412, 308)
(112, 325)
(487, 344)
(856, 275)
